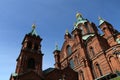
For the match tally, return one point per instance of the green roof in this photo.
(85, 37)
(101, 21)
(80, 19)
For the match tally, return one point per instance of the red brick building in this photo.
(85, 55)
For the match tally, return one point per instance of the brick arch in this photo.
(114, 63)
(109, 56)
(97, 68)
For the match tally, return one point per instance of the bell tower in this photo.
(30, 59)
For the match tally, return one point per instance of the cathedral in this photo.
(86, 54)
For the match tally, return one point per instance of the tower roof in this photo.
(101, 20)
(33, 32)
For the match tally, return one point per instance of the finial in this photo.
(78, 15)
(66, 32)
(99, 18)
(56, 46)
(33, 26)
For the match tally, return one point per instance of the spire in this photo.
(66, 32)
(33, 32)
(78, 15)
(33, 26)
(56, 46)
(100, 20)
(80, 19)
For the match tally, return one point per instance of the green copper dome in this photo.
(80, 19)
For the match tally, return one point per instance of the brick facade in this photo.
(94, 55)
(85, 55)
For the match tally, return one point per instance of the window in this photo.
(82, 30)
(81, 75)
(35, 46)
(87, 27)
(71, 63)
(69, 50)
(31, 64)
(92, 51)
(29, 45)
(99, 69)
(93, 71)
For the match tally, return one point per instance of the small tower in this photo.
(67, 35)
(108, 31)
(29, 62)
(107, 28)
(57, 57)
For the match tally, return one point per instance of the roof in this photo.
(48, 70)
(101, 21)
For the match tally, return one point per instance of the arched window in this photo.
(93, 71)
(82, 30)
(71, 63)
(81, 75)
(99, 69)
(29, 45)
(92, 53)
(87, 27)
(69, 50)
(31, 64)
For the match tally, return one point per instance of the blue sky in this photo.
(52, 18)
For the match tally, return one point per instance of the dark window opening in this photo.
(93, 71)
(92, 51)
(87, 27)
(29, 45)
(82, 75)
(99, 69)
(82, 30)
(31, 64)
(35, 47)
